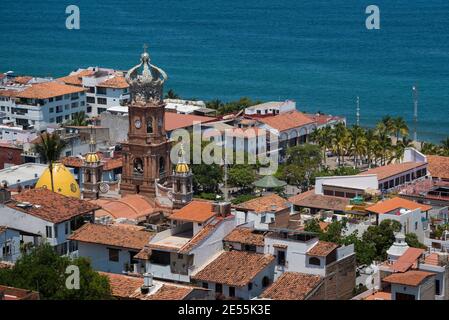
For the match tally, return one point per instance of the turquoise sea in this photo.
(318, 53)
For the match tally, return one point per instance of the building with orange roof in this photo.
(411, 285)
(237, 274)
(50, 214)
(302, 252)
(40, 104)
(111, 248)
(296, 286)
(12, 293)
(438, 167)
(197, 234)
(105, 88)
(126, 287)
(264, 212)
(413, 216)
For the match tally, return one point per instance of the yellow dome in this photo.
(182, 168)
(92, 158)
(63, 180)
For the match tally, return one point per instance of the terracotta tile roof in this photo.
(112, 235)
(123, 286)
(393, 169)
(77, 78)
(116, 82)
(397, 203)
(432, 259)
(323, 225)
(322, 119)
(287, 120)
(47, 90)
(309, 199)
(268, 203)
(128, 287)
(196, 211)
(407, 260)
(112, 163)
(22, 79)
(52, 206)
(292, 286)
(9, 93)
(130, 206)
(177, 121)
(322, 249)
(144, 254)
(410, 278)
(72, 162)
(438, 166)
(170, 292)
(234, 268)
(245, 236)
(379, 295)
(12, 293)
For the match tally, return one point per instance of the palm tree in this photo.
(215, 104)
(358, 143)
(78, 119)
(429, 148)
(340, 141)
(50, 148)
(387, 124)
(323, 138)
(171, 94)
(445, 146)
(371, 146)
(400, 127)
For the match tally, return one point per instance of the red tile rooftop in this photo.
(389, 205)
(245, 236)
(287, 120)
(234, 268)
(322, 249)
(292, 286)
(270, 202)
(178, 121)
(131, 207)
(112, 235)
(198, 211)
(410, 278)
(379, 295)
(47, 90)
(407, 260)
(51, 206)
(438, 167)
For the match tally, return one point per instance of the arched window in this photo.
(150, 125)
(138, 166)
(314, 261)
(88, 176)
(178, 186)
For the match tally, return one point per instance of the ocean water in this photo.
(318, 53)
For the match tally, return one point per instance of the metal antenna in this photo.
(415, 112)
(357, 113)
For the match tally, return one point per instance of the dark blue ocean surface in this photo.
(318, 53)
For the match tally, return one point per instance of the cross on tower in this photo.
(145, 47)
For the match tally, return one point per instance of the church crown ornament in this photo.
(148, 85)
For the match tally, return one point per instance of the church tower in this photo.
(182, 182)
(92, 172)
(146, 154)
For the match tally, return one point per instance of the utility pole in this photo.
(415, 112)
(357, 113)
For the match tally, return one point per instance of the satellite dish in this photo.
(103, 187)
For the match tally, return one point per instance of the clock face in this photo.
(137, 123)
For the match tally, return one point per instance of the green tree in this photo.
(49, 148)
(445, 147)
(400, 128)
(78, 119)
(334, 232)
(382, 237)
(412, 241)
(358, 143)
(43, 270)
(206, 178)
(313, 225)
(242, 176)
(171, 94)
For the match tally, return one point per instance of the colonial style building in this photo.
(147, 151)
